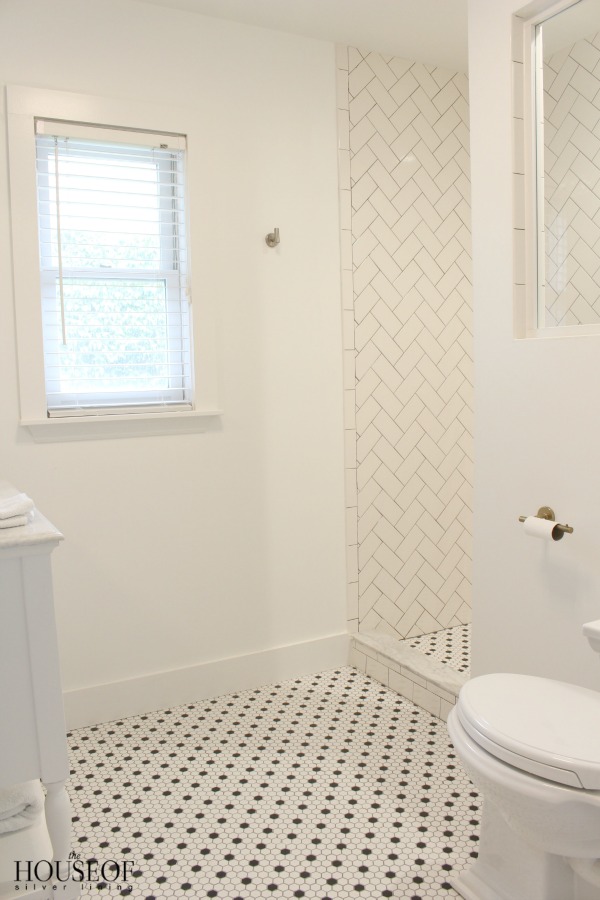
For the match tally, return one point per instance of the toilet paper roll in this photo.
(540, 528)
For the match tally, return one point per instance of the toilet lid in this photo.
(548, 728)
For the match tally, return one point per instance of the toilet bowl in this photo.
(532, 748)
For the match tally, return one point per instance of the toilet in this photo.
(532, 748)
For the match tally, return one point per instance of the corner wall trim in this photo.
(162, 690)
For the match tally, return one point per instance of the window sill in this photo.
(93, 428)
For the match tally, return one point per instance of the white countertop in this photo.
(38, 531)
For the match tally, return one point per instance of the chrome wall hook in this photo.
(272, 239)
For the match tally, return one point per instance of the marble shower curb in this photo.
(430, 684)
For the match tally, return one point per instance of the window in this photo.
(113, 269)
(101, 214)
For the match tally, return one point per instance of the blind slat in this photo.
(114, 269)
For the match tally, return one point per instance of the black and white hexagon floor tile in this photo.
(451, 646)
(327, 787)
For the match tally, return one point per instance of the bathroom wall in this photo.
(571, 177)
(536, 435)
(405, 208)
(189, 560)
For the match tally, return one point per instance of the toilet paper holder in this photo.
(546, 512)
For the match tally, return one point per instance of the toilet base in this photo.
(508, 868)
(470, 887)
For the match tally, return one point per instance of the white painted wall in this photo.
(536, 421)
(185, 549)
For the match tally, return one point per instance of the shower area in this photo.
(406, 263)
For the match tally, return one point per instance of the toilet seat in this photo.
(548, 728)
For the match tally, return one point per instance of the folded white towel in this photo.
(15, 505)
(20, 805)
(14, 521)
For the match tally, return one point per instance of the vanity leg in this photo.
(58, 821)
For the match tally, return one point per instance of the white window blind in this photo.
(112, 234)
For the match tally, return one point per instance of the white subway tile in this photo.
(424, 698)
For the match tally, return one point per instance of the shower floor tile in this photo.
(451, 646)
(327, 787)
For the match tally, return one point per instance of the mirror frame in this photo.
(529, 320)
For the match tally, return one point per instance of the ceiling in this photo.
(428, 31)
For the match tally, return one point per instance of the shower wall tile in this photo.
(349, 338)
(409, 484)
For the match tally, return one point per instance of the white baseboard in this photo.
(106, 702)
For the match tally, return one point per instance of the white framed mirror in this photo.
(566, 108)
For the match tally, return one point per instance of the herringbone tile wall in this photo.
(405, 216)
(572, 184)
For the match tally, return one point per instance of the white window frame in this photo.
(24, 106)
(529, 241)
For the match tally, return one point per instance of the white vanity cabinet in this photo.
(32, 726)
